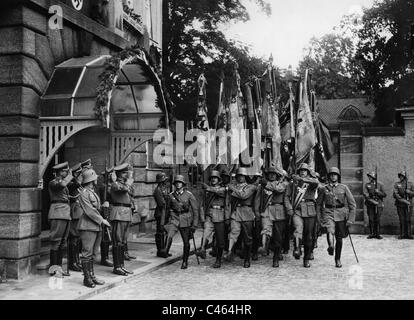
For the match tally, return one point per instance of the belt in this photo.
(122, 205)
(334, 207)
(273, 203)
(181, 212)
(59, 201)
(217, 207)
(244, 205)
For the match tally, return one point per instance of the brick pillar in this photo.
(22, 81)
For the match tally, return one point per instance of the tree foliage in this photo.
(193, 43)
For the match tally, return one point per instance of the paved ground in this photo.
(386, 271)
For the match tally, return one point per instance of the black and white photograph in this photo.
(210, 151)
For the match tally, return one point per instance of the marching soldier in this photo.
(225, 181)
(403, 194)
(75, 188)
(257, 228)
(216, 213)
(183, 217)
(243, 216)
(374, 200)
(269, 203)
(337, 207)
(301, 192)
(105, 195)
(59, 213)
(287, 235)
(121, 217)
(160, 215)
(90, 226)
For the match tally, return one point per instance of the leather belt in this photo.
(122, 205)
(244, 205)
(274, 203)
(217, 207)
(59, 201)
(334, 207)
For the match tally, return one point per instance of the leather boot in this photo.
(247, 257)
(229, 255)
(217, 264)
(121, 260)
(71, 257)
(105, 255)
(276, 257)
(297, 250)
(128, 257)
(165, 252)
(331, 241)
(53, 259)
(87, 279)
(159, 242)
(186, 254)
(338, 251)
(377, 229)
(409, 230)
(401, 236)
(76, 252)
(117, 264)
(92, 272)
(306, 257)
(65, 273)
(371, 230)
(311, 256)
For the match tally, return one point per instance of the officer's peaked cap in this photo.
(122, 168)
(61, 166)
(77, 167)
(86, 163)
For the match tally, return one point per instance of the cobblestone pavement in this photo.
(386, 271)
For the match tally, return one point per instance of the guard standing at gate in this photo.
(300, 203)
(184, 213)
(59, 214)
(121, 217)
(161, 196)
(374, 200)
(243, 217)
(337, 208)
(403, 194)
(90, 226)
(75, 188)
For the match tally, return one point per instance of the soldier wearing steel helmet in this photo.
(214, 216)
(184, 215)
(404, 194)
(90, 226)
(300, 203)
(288, 232)
(374, 195)
(242, 216)
(337, 208)
(160, 195)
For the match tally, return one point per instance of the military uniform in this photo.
(59, 214)
(184, 215)
(160, 195)
(120, 217)
(337, 207)
(90, 226)
(75, 188)
(404, 194)
(301, 191)
(374, 200)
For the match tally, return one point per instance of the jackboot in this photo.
(71, 257)
(60, 263)
(87, 279)
(306, 257)
(217, 264)
(92, 273)
(186, 254)
(159, 242)
(338, 251)
(371, 230)
(297, 252)
(229, 256)
(247, 257)
(409, 230)
(401, 236)
(121, 260)
(331, 243)
(105, 255)
(276, 257)
(53, 259)
(165, 252)
(128, 257)
(76, 253)
(377, 230)
(117, 265)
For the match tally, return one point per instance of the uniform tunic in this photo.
(402, 191)
(75, 189)
(370, 194)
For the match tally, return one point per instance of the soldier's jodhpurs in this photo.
(374, 215)
(59, 231)
(120, 232)
(185, 236)
(278, 233)
(219, 230)
(208, 231)
(404, 214)
(91, 241)
(308, 224)
(245, 228)
(257, 236)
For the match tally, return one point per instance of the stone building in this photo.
(71, 88)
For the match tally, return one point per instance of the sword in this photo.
(352, 244)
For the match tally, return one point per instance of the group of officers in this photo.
(245, 215)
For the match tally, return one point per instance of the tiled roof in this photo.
(330, 110)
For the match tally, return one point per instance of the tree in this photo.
(384, 56)
(329, 59)
(193, 43)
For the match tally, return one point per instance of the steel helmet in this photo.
(89, 175)
(402, 173)
(334, 170)
(225, 173)
(215, 174)
(372, 175)
(304, 166)
(241, 172)
(161, 177)
(179, 178)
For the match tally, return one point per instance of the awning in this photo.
(71, 92)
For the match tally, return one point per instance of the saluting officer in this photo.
(243, 216)
(269, 202)
(121, 217)
(90, 226)
(183, 209)
(403, 194)
(301, 192)
(337, 207)
(59, 213)
(374, 200)
(161, 196)
(216, 213)
(87, 164)
(75, 188)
